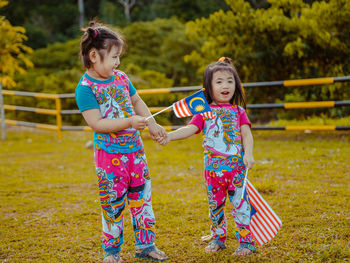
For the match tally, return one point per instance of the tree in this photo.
(127, 4)
(13, 51)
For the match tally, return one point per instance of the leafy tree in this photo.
(13, 51)
(291, 39)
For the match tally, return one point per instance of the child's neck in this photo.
(92, 73)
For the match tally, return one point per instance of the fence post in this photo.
(58, 118)
(2, 110)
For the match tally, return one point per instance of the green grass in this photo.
(49, 207)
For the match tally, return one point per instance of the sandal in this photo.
(114, 257)
(215, 246)
(242, 246)
(145, 254)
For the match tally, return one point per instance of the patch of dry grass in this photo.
(49, 207)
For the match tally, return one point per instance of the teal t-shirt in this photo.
(113, 98)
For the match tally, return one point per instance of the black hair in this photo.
(224, 64)
(100, 37)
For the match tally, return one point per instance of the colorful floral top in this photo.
(222, 141)
(112, 98)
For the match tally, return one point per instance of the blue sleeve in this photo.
(132, 90)
(85, 98)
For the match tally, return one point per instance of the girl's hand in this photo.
(156, 131)
(138, 122)
(164, 140)
(248, 161)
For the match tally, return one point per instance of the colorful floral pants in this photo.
(219, 184)
(124, 178)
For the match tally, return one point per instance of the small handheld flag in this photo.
(191, 105)
(264, 223)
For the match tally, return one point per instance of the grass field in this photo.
(49, 207)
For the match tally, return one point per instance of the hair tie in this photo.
(222, 59)
(95, 33)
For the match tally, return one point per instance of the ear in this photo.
(93, 55)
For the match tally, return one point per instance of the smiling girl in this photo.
(228, 152)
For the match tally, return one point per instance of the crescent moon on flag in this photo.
(198, 98)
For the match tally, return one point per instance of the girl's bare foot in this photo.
(112, 259)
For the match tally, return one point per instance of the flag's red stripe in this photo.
(264, 226)
(186, 107)
(260, 230)
(183, 113)
(267, 207)
(260, 204)
(255, 233)
(266, 221)
(260, 209)
(178, 110)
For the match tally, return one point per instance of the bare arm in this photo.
(248, 143)
(183, 132)
(98, 124)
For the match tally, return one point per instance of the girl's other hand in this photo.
(164, 140)
(248, 161)
(138, 122)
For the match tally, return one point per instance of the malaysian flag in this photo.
(192, 105)
(264, 223)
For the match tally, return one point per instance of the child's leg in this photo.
(241, 211)
(112, 181)
(140, 203)
(217, 192)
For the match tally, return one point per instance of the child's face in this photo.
(105, 68)
(223, 86)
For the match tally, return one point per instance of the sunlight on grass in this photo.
(50, 209)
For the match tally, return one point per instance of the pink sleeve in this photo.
(244, 118)
(198, 121)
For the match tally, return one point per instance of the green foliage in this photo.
(288, 40)
(13, 51)
(160, 45)
(50, 208)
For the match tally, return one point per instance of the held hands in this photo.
(248, 160)
(157, 132)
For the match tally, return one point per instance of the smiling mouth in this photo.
(225, 93)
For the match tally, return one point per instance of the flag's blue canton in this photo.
(197, 103)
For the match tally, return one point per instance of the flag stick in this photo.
(159, 112)
(245, 183)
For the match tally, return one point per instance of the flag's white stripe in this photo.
(266, 216)
(257, 233)
(260, 205)
(175, 110)
(261, 230)
(265, 219)
(184, 108)
(275, 217)
(265, 225)
(178, 108)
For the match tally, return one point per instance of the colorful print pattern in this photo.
(222, 135)
(124, 178)
(218, 185)
(115, 102)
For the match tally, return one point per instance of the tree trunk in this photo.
(127, 4)
(81, 13)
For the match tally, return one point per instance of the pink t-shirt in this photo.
(222, 134)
